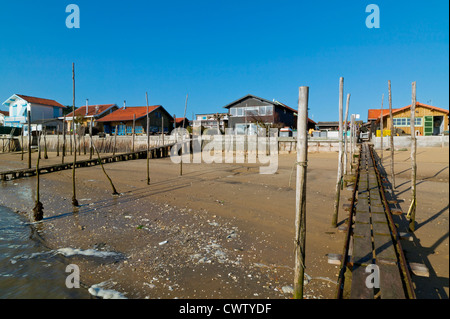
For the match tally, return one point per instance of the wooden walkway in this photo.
(155, 152)
(373, 240)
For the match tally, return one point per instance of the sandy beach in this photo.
(221, 230)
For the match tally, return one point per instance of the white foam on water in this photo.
(88, 252)
(98, 291)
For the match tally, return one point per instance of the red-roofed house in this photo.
(84, 114)
(123, 118)
(40, 109)
(429, 120)
(179, 122)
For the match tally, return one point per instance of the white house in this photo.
(41, 109)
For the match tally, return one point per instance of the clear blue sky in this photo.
(219, 51)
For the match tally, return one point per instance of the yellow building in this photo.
(429, 120)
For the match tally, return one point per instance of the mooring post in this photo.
(148, 142)
(392, 135)
(37, 210)
(381, 129)
(345, 134)
(74, 197)
(412, 208)
(300, 208)
(339, 173)
(29, 134)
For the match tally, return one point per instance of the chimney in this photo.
(87, 106)
(124, 105)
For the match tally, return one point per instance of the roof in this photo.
(126, 114)
(274, 102)
(93, 110)
(374, 114)
(6, 113)
(38, 100)
(180, 119)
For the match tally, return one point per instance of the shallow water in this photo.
(29, 270)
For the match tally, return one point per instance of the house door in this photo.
(428, 126)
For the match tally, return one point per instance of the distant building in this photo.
(250, 111)
(209, 120)
(429, 120)
(124, 117)
(179, 122)
(40, 109)
(3, 114)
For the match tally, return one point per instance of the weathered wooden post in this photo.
(45, 143)
(91, 150)
(392, 136)
(381, 129)
(300, 208)
(38, 207)
(345, 134)
(21, 143)
(64, 140)
(57, 141)
(148, 142)
(352, 124)
(412, 208)
(182, 137)
(115, 139)
(339, 173)
(132, 133)
(74, 197)
(29, 134)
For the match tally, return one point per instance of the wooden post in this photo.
(352, 124)
(37, 210)
(74, 197)
(412, 208)
(64, 140)
(339, 174)
(345, 136)
(91, 150)
(148, 142)
(21, 142)
(29, 134)
(115, 140)
(392, 136)
(132, 132)
(57, 140)
(45, 143)
(381, 129)
(300, 208)
(182, 137)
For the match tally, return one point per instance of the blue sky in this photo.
(219, 51)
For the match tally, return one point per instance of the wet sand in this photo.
(221, 230)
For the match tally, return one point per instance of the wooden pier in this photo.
(372, 241)
(155, 152)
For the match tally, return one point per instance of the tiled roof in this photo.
(126, 114)
(38, 100)
(375, 114)
(92, 110)
(180, 120)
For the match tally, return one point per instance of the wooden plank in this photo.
(362, 217)
(359, 289)
(362, 250)
(362, 230)
(390, 282)
(384, 248)
(381, 228)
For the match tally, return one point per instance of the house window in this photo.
(269, 110)
(406, 121)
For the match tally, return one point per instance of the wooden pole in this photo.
(91, 150)
(64, 140)
(182, 137)
(37, 210)
(392, 136)
(21, 142)
(345, 132)
(45, 143)
(352, 124)
(148, 142)
(115, 140)
(300, 208)
(339, 174)
(132, 133)
(74, 197)
(29, 134)
(412, 208)
(57, 140)
(381, 129)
